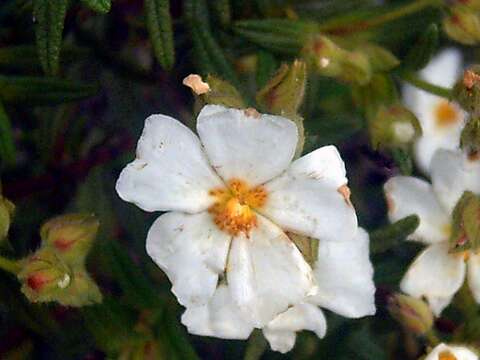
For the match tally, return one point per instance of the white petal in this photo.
(244, 147)
(426, 146)
(436, 275)
(192, 251)
(406, 196)
(474, 276)
(307, 198)
(171, 172)
(266, 273)
(280, 332)
(219, 318)
(344, 277)
(452, 174)
(444, 69)
(324, 164)
(460, 352)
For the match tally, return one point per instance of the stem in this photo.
(432, 338)
(425, 85)
(362, 25)
(11, 266)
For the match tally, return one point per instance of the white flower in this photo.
(437, 274)
(447, 352)
(233, 193)
(441, 120)
(346, 290)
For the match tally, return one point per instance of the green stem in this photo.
(11, 266)
(413, 79)
(432, 338)
(362, 25)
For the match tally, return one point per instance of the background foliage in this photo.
(77, 80)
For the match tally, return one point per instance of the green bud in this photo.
(469, 4)
(380, 58)
(462, 25)
(215, 91)
(465, 234)
(333, 61)
(467, 90)
(284, 93)
(393, 126)
(70, 235)
(45, 277)
(470, 138)
(6, 213)
(413, 314)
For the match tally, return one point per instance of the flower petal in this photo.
(443, 70)
(308, 199)
(280, 332)
(344, 277)
(474, 276)
(436, 275)
(452, 174)
(220, 317)
(406, 196)
(192, 251)
(266, 273)
(254, 149)
(171, 172)
(459, 352)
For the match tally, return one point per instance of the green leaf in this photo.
(379, 57)
(207, 53)
(26, 90)
(256, 346)
(159, 25)
(7, 143)
(101, 6)
(403, 160)
(278, 35)
(423, 50)
(389, 236)
(222, 11)
(49, 16)
(266, 66)
(136, 288)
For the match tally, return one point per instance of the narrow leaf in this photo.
(159, 25)
(423, 50)
(28, 90)
(7, 144)
(387, 237)
(49, 16)
(101, 6)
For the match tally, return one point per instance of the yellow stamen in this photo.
(233, 210)
(446, 355)
(446, 114)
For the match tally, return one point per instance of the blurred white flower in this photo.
(441, 120)
(233, 193)
(437, 274)
(447, 352)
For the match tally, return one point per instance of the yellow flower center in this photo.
(446, 355)
(446, 114)
(234, 207)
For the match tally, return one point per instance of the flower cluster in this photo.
(251, 239)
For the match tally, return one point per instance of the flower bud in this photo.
(470, 138)
(214, 91)
(393, 126)
(413, 314)
(283, 94)
(462, 25)
(469, 4)
(6, 213)
(43, 276)
(467, 90)
(465, 233)
(333, 61)
(70, 235)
